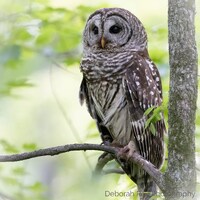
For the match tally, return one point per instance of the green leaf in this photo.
(5, 92)
(10, 180)
(20, 83)
(155, 116)
(149, 110)
(29, 146)
(36, 187)
(19, 171)
(8, 147)
(152, 129)
(148, 122)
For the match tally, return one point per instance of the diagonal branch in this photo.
(115, 151)
(135, 157)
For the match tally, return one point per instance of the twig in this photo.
(115, 151)
(102, 161)
(113, 171)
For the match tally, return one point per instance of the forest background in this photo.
(39, 107)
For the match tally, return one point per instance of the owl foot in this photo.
(106, 143)
(105, 155)
(127, 151)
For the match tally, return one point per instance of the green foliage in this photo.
(7, 147)
(29, 147)
(14, 180)
(158, 44)
(33, 35)
(153, 114)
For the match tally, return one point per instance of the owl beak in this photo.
(103, 42)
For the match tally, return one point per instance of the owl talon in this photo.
(106, 143)
(128, 150)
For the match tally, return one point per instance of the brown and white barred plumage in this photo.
(119, 83)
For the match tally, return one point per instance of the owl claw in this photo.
(128, 150)
(106, 143)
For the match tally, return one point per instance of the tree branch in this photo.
(115, 151)
(102, 161)
(52, 151)
(148, 167)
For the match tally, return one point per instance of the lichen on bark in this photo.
(180, 175)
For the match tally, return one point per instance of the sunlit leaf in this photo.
(29, 146)
(152, 129)
(19, 171)
(20, 83)
(149, 110)
(36, 187)
(10, 180)
(9, 148)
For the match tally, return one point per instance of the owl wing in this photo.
(84, 96)
(142, 88)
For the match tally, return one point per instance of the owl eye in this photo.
(95, 30)
(115, 29)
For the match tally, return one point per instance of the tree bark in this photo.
(180, 177)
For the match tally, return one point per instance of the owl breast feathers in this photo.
(120, 82)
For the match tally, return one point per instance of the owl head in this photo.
(114, 29)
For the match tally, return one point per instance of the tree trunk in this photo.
(180, 177)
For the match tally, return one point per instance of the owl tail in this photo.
(146, 187)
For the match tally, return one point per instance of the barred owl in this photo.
(120, 82)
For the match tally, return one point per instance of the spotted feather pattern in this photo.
(143, 90)
(119, 99)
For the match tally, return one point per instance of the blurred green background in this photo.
(40, 53)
